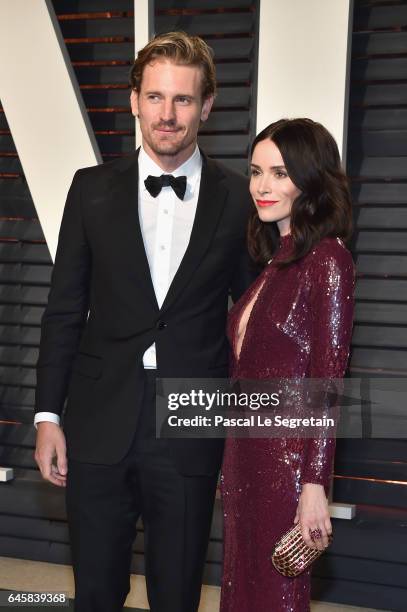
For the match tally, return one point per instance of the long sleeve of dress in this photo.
(332, 314)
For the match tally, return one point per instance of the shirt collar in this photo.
(191, 168)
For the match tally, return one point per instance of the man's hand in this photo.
(50, 444)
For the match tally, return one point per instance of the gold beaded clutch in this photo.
(291, 555)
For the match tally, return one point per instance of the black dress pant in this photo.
(104, 503)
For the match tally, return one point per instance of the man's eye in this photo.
(153, 97)
(183, 100)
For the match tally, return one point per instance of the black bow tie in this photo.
(154, 184)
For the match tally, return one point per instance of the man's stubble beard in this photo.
(166, 147)
(172, 151)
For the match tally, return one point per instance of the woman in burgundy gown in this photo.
(294, 321)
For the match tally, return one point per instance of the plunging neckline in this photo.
(249, 310)
(285, 245)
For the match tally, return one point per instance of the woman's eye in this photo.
(254, 172)
(281, 174)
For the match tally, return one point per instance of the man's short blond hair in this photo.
(182, 49)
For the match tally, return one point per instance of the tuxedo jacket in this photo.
(102, 312)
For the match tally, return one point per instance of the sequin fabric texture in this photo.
(300, 326)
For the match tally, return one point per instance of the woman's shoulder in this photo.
(330, 250)
(329, 261)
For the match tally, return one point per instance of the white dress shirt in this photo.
(166, 224)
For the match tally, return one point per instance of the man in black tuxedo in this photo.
(149, 247)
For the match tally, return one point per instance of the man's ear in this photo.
(134, 102)
(206, 107)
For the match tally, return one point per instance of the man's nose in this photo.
(167, 111)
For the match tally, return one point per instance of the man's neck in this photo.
(169, 163)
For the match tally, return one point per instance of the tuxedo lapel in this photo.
(211, 201)
(131, 244)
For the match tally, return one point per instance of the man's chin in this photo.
(167, 148)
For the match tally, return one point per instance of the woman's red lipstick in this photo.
(265, 203)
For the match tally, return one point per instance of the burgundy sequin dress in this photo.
(300, 325)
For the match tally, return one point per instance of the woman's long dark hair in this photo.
(323, 207)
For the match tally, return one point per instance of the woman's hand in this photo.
(313, 515)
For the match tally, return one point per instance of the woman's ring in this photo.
(316, 534)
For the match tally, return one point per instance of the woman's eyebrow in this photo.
(271, 167)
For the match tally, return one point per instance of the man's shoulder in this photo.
(107, 168)
(231, 175)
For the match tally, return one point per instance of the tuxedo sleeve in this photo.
(67, 309)
(245, 273)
